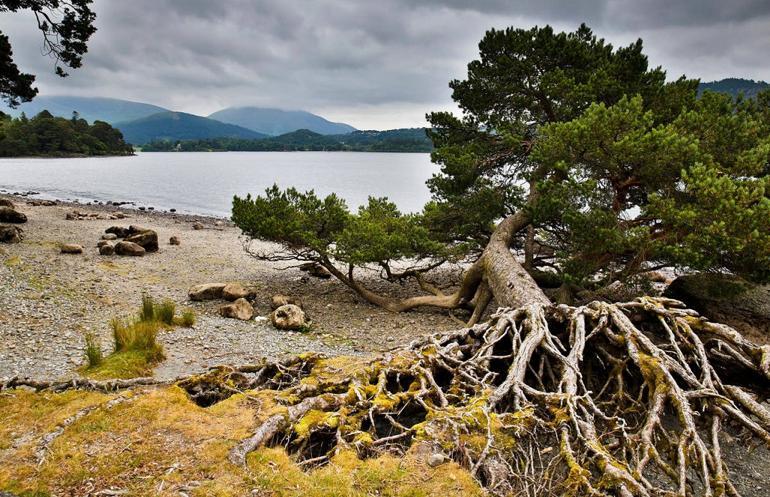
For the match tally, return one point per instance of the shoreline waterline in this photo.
(204, 183)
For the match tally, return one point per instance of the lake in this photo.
(205, 182)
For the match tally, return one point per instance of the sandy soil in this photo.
(48, 300)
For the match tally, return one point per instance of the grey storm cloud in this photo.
(375, 64)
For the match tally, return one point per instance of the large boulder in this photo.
(6, 203)
(726, 299)
(235, 291)
(118, 231)
(148, 239)
(71, 248)
(11, 234)
(240, 309)
(289, 317)
(206, 291)
(129, 249)
(9, 215)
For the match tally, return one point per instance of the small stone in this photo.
(197, 226)
(436, 460)
(174, 240)
(107, 249)
(71, 248)
(109, 236)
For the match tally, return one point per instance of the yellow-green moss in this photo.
(158, 440)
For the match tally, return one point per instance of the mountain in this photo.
(734, 86)
(111, 110)
(277, 122)
(395, 140)
(180, 126)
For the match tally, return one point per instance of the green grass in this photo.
(187, 319)
(135, 339)
(94, 354)
(122, 365)
(147, 313)
(137, 335)
(165, 311)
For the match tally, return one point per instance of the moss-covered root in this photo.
(605, 399)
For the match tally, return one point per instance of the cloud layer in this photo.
(373, 64)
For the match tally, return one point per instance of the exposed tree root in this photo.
(606, 399)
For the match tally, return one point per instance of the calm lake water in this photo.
(205, 182)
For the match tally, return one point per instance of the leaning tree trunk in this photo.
(496, 272)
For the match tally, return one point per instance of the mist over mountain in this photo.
(111, 110)
(277, 122)
(180, 126)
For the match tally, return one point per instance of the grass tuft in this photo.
(147, 313)
(165, 312)
(187, 319)
(94, 354)
(136, 341)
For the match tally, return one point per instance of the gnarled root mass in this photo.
(606, 399)
(601, 400)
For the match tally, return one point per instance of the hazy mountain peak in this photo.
(272, 121)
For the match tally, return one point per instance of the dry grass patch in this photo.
(158, 442)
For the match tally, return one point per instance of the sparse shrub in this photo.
(165, 312)
(93, 351)
(187, 319)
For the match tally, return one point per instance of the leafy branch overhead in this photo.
(66, 27)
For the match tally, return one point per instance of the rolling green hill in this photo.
(277, 122)
(735, 86)
(396, 140)
(180, 126)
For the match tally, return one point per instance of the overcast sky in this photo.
(374, 64)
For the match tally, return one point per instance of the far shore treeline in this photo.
(47, 136)
(396, 140)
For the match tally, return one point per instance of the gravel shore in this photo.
(48, 300)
